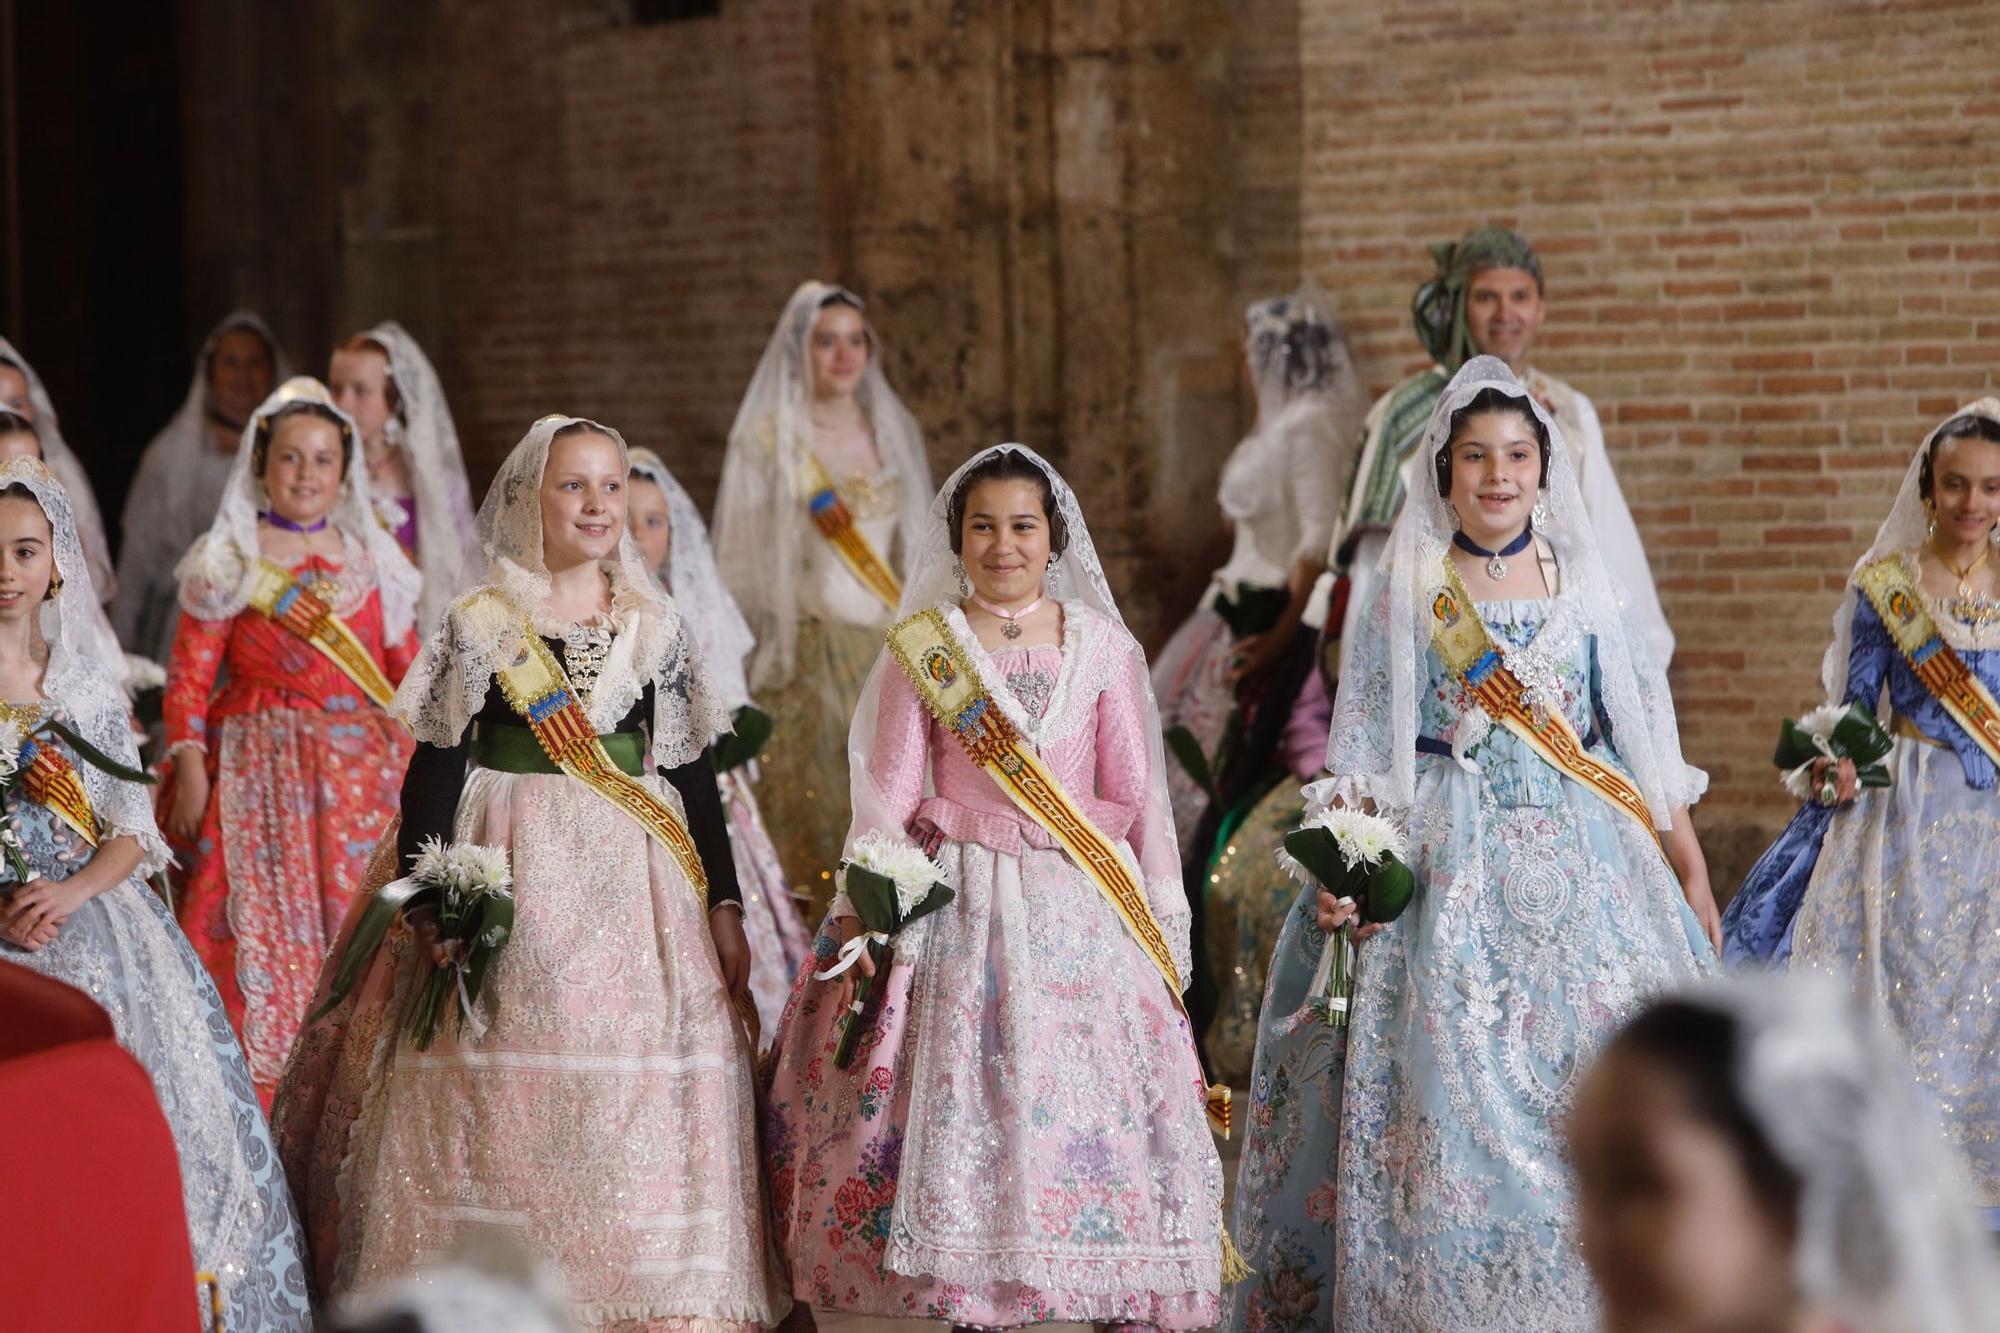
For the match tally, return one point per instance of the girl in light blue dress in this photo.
(1894, 888)
(85, 915)
(1406, 1172)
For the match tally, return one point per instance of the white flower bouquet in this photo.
(1355, 856)
(890, 883)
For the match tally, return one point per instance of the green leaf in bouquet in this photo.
(1390, 888)
(369, 932)
(492, 926)
(1187, 751)
(96, 758)
(752, 731)
(1873, 775)
(1319, 852)
(1795, 747)
(1858, 736)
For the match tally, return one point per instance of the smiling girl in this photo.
(1893, 887)
(297, 620)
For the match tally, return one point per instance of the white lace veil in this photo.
(68, 470)
(697, 588)
(1079, 583)
(447, 685)
(172, 499)
(1885, 1238)
(1372, 748)
(447, 536)
(1907, 528)
(761, 525)
(218, 571)
(78, 677)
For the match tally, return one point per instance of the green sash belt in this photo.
(508, 749)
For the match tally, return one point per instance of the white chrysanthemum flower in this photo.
(10, 748)
(1822, 720)
(463, 870)
(914, 873)
(1363, 838)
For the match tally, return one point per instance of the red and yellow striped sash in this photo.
(1889, 589)
(835, 522)
(277, 594)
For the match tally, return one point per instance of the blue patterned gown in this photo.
(123, 949)
(1899, 890)
(1414, 1179)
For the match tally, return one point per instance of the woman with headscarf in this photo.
(297, 620)
(820, 507)
(22, 392)
(1752, 1155)
(1228, 677)
(1403, 1172)
(182, 475)
(384, 381)
(1020, 1135)
(86, 915)
(1893, 887)
(674, 543)
(599, 1106)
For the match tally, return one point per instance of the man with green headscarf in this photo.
(1486, 297)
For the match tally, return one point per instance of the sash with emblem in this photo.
(1466, 646)
(1895, 597)
(300, 612)
(835, 522)
(539, 690)
(947, 682)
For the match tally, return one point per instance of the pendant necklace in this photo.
(1010, 626)
(1496, 563)
(278, 520)
(1985, 549)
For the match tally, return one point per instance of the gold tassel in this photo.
(1234, 1268)
(1220, 1108)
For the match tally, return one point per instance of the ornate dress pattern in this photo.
(1021, 1137)
(1412, 1176)
(303, 772)
(1895, 891)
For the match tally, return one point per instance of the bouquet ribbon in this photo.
(850, 953)
(275, 593)
(1889, 589)
(1466, 646)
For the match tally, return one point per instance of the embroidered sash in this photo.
(947, 682)
(49, 778)
(289, 605)
(538, 689)
(1888, 587)
(836, 523)
(1465, 646)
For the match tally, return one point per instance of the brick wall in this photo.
(1772, 239)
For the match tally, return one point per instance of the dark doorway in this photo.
(91, 266)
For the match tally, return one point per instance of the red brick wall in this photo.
(628, 208)
(1772, 239)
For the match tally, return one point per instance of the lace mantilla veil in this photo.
(1371, 750)
(1907, 528)
(1079, 583)
(696, 586)
(481, 633)
(68, 470)
(218, 571)
(760, 521)
(1885, 1239)
(447, 534)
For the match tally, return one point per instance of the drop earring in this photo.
(1451, 516)
(1055, 564)
(958, 572)
(1539, 515)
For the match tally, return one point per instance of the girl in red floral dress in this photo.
(297, 621)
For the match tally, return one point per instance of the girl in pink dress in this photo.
(1021, 1137)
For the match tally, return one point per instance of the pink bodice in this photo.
(1096, 749)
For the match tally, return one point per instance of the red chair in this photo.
(93, 1230)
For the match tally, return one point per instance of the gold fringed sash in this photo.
(835, 522)
(49, 778)
(1465, 645)
(277, 594)
(538, 689)
(1888, 587)
(947, 682)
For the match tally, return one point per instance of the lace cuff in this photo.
(200, 747)
(1350, 792)
(154, 855)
